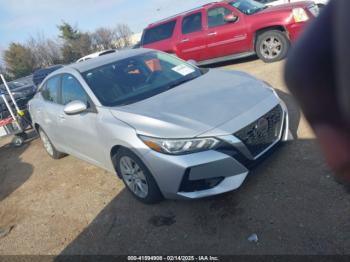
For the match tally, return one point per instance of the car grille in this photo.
(263, 132)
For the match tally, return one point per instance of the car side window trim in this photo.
(91, 106)
(44, 87)
(200, 14)
(227, 11)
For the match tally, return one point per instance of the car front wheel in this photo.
(49, 147)
(272, 46)
(136, 177)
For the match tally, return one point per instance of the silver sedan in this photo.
(164, 126)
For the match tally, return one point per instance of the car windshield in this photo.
(248, 7)
(138, 77)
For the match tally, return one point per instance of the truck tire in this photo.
(272, 46)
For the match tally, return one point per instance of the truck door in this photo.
(192, 40)
(225, 36)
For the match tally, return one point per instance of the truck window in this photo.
(216, 16)
(192, 23)
(159, 33)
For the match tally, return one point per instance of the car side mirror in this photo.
(75, 107)
(230, 18)
(192, 62)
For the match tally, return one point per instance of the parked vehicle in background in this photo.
(230, 29)
(137, 45)
(22, 92)
(97, 54)
(319, 3)
(168, 128)
(40, 74)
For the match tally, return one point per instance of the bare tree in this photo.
(108, 38)
(39, 51)
(123, 33)
(103, 38)
(45, 52)
(82, 45)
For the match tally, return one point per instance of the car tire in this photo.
(49, 147)
(278, 49)
(136, 177)
(18, 140)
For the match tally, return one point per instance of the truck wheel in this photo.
(272, 46)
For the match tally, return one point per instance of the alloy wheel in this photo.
(46, 142)
(271, 47)
(133, 176)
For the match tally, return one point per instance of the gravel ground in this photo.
(70, 207)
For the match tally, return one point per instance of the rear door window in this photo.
(192, 23)
(159, 33)
(50, 89)
(216, 16)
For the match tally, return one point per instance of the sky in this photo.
(20, 19)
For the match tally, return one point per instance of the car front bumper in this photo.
(207, 173)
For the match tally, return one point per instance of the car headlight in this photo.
(300, 15)
(180, 146)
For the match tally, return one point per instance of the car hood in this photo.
(195, 107)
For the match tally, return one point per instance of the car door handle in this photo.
(212, 33)
(185, 40)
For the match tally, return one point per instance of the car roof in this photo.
(170, 18)
(103, 60)
(96, 54)
(43, 71)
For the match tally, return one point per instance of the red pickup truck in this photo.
(230, 29)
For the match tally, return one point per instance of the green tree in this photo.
(68, 32)
(75, 43)
(19, 60)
